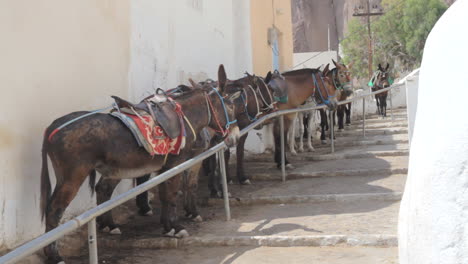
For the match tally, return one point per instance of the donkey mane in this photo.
(300, 72)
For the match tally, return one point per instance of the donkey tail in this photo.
(45, 180)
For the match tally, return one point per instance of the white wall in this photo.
(313, 59)
(58, 57)
(174, 40)
(434, 210)
(412, 85)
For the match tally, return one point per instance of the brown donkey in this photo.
(380, 81)
(256, 100)
(302, 84)
(103, 143)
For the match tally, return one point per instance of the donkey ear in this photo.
(268, 77)
(380, 67)
(194, 84)
(334, 62)
(222, 79)
(326, 69)
(350, 65)
(386, 68)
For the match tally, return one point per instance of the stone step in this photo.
(373, 131)
(360, 141)
(253, 255)
(387, 124)
(352, 223)
(329, 168)
(318, 189)
(353, 151)
(295, 199)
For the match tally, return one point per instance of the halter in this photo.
(270, 106)
(373, 83)
(324, 101)
(335, 81)
(224, 131)
(246, 103)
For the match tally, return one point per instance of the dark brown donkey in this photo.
(341, 79)
(301, 84)
(103, 143)
(256, 100)
(380, 81)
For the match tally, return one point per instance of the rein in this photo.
(317, 87)
(269, 106)
(224, 131)
(335, 81)
(246, 102)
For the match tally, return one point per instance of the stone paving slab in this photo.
(364, 166)
(253, 255)
(321, 185)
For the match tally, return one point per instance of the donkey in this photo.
(380, 81)
(103, 143)
(341, 78)
(301, 84)
(257, 99)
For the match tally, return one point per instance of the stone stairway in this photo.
(333, 208)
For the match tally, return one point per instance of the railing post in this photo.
(283, 160)
(92, 242)
(332, 127)
(363, 117)
(222, 166)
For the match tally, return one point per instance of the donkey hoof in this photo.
(182, 233)
(246, 182)
(198, 219)
(105, 229)
(61, 262)
(170, 233)
(324, 142)
(289, 167)
(293, 152)
(300, 150)
(311, 149)
(230, 182)
(149, 213)
(115, 231)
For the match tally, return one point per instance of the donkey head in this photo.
(223, 119)
(327, 92)
(383, 78)
(342, 77)
(278, 85)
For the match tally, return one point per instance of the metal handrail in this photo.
(90, 215)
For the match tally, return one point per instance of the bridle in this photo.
(378, 82)
(336, 81)
(324, 100)
(224, 131)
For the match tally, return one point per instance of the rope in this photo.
(78, 118)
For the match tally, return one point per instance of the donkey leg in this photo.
(104, 190)
(209, 167)
(142, 200)
(348, 114)
(292, 135)
(63, 194)
(340, 114)
(384, 102)
(311, 130)
(301, 132)
(190, 188)
(277, 137)
(168, 192)
(323, 125)
(240, 161)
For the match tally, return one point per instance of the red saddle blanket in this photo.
(150, 136)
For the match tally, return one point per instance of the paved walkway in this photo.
(334, 208)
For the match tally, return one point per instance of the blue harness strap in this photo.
(245, 107)
(324, 101)
(228, 123)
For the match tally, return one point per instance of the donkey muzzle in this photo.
(233, 137)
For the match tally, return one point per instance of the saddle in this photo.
(160, 108)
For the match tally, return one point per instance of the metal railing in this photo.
(89, 217)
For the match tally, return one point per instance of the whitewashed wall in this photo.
(59, 57)
(434, 213)
(174, 40)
